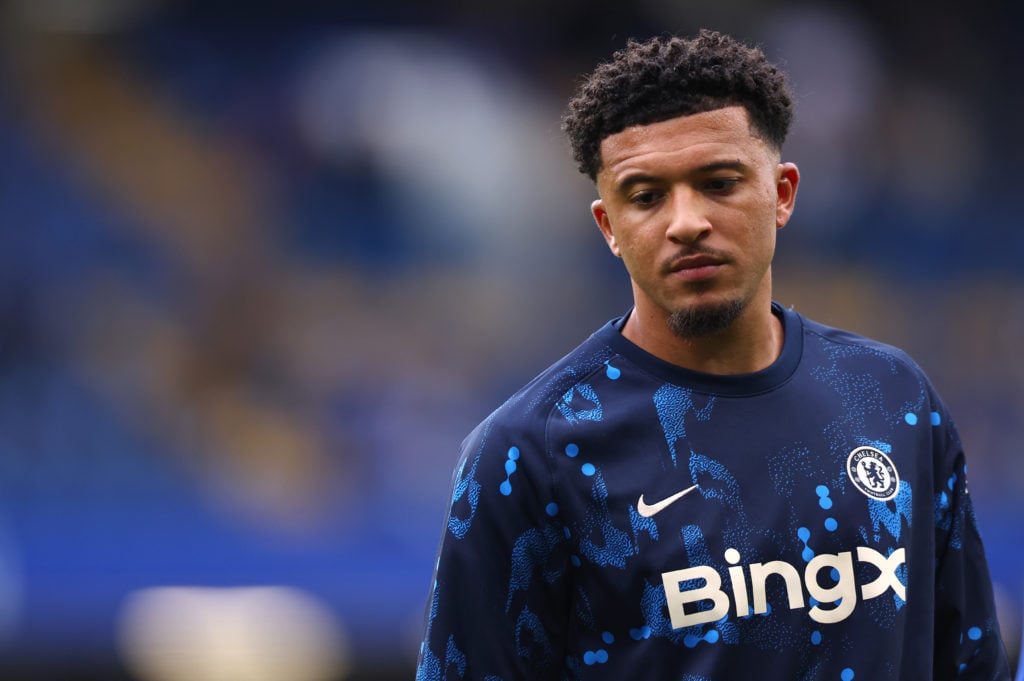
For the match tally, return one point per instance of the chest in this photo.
(707, 508)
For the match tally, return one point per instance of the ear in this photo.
(787, 178)
(605, 225)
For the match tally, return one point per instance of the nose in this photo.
(688, 216)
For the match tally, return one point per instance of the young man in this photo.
(712, 487)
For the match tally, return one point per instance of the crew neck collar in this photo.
(761, 381)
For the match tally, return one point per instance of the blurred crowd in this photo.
(260, 274)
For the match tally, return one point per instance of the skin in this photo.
(692, 205)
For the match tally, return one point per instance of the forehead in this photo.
(683, 141)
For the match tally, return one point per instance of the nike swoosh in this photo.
(648, 511)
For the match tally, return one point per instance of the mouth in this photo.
(695, 267)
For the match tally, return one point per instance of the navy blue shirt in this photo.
(621, 517)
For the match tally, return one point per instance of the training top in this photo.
(621, 517)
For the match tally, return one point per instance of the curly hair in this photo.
(664, 77)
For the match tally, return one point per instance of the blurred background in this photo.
(263, 266)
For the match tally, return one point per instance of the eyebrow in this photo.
(722, 165)
(639, 178)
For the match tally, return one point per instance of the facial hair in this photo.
(704, 320)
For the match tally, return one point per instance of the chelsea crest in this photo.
(873, 473)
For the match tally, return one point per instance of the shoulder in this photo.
(523, 417)
(530, 406)
(866, 369)
(849, 359)
(839, 343)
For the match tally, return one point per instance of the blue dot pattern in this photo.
(640, 633)
(823, 499)
(693, 640)
(579, 440)
(805, 535)
(510, 468)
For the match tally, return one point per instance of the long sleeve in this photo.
(498, 607)
(968, 644)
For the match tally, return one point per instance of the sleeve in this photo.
(968, 644)
(498, 608)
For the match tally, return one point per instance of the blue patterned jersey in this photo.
(621, 517)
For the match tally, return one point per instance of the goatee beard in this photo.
(704, 320)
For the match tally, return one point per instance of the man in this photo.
(711, 487)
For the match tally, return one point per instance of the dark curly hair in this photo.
(665, 77)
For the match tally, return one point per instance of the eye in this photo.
(721, 185)
(645, 198)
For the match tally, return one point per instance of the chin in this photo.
(705, 319)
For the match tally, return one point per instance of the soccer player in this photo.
(711, 487)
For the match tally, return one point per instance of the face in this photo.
(692, 205)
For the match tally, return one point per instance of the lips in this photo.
(691, 262)
(695, 266)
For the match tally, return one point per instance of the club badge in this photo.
(873, 473)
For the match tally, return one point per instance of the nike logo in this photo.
(649, 510)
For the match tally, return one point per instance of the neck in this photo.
(751, 343)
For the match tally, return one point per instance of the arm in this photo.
(498, 606)
(967, 638)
